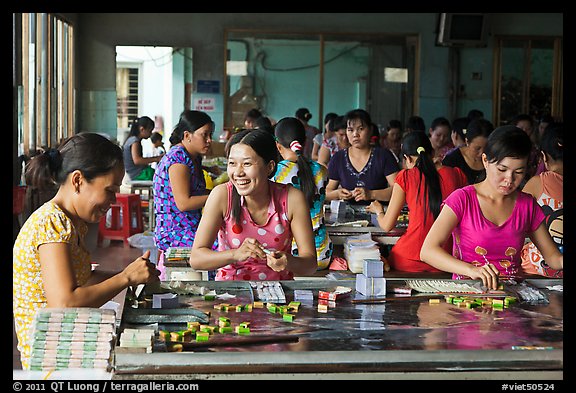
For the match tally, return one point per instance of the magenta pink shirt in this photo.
(478, 241)
(275, 234)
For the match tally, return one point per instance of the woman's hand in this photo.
(277, 261)
(487, 273)
(361, 194)
(375, 207)
(250, 248)
(344, 194)
(141, 271)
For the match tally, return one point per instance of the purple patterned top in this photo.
(175, 228)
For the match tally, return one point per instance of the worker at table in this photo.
(361, 173)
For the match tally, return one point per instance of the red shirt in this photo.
(405, 255)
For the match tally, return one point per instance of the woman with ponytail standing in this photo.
(179, 186)
(423, 185)
(137, 166)
(254, 218)
(308, 176)
(51, 266)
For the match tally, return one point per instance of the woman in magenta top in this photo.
(423, 186)
(254, 218)
(489, 221)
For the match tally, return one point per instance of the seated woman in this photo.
(180, 184)
(423, 185)
(441, 137)
(335, 140)
(50, 261)
(489, 221)
(254, 218)
(137, 166)
(548, 190)
(361, 173)
(306, 175)
(469, 157)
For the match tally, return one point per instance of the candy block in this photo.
(323, 308)
(202, 336)
(370, 286)
(373, 268)
(288, 317)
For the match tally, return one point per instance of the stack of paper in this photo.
(137, 338)
(72, 338)
(359, 248)
(177, 253)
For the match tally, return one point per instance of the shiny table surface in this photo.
(398, 335)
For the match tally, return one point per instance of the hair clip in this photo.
(420, 150)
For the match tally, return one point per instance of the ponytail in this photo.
(290, 133)
(418, 144)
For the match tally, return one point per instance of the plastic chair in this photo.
(126, 219)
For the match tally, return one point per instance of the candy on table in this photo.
(268, 291)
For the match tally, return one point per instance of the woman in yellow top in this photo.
(51, 265)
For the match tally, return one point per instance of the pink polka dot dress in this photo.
(275, 234)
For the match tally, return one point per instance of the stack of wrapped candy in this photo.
(357, 249)
(371, 282)
(72, 338)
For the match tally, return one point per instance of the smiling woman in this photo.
(250, 213)
(51, 264)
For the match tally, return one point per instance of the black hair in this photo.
(418, 144)
(460, 126)
(155, 137)
(415, 123)
(303, 114)
(264, 123)
(143, 121)
(440, 121)
(475, 114)
(90, 153)
(337, 123)
(521, 117)
(361, 115)
(253, 114)
(264, 145)
(288, 130)
(190, 121)
(552, 143)
(478, 127)
(330, 115)
(507, 141)
(394, 124)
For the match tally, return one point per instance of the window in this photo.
(46, 89)
(528, 77)
(127, 96)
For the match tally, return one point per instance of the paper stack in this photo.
(177, 253)
(72, 338)
(372, 281)
(359, 248)
(137, 338)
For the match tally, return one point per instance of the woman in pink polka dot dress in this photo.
(254, 219)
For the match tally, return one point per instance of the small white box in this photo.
(338, 208)
(370, 286)
(373, 268)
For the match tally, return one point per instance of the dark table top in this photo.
(374, 336)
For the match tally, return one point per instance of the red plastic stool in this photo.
(130, 224)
